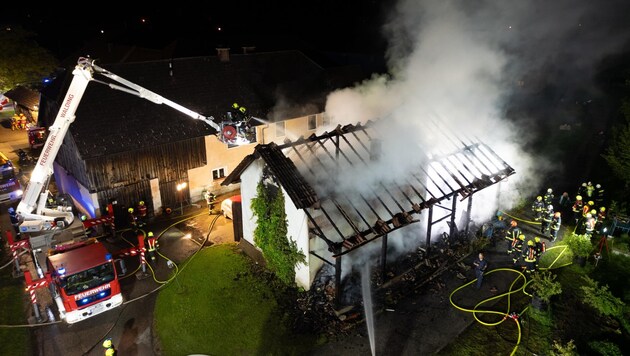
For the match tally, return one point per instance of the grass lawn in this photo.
(217, 306)
(13, 341)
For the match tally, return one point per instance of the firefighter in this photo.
(540, 247)
(22, 121)
(564, 203)
(89, 231)
(590, 190)
(577, 208)
(513, 232)
(546, 220)
(152, 245)
(516, 248)
(15, 122)
(211, 199)
(548, 198)
(142, 209)
(538, 207)
(589, 225)
(110, 350)
(529, 255)
(599, 195)
(582, 189)
(556, 222)
(601, 216)
(133, 220)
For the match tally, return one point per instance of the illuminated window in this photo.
(218, 173)
(312, 122)
(280, 129)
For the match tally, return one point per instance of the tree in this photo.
(618, 153)
(22, 60)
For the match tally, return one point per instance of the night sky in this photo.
(347, 26)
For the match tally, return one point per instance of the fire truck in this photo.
(10, 187)
(80, 271)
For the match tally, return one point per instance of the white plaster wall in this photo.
(297, 231)
(156, 196)
(249, 181)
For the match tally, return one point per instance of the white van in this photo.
(226, 206)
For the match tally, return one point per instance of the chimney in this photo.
(223, 54)
(248, 49)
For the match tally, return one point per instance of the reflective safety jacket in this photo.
(555, 223)
(152, 243)
(540, 247)
(513, 233)
(577, 206)
(530, 254)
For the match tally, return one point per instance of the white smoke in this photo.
(452, 66)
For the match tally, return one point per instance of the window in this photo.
(326, 120)
(280, 129)
(312, 122)
(218, 173)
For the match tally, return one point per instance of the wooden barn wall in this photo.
(125, 176)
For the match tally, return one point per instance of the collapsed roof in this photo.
(347, 216)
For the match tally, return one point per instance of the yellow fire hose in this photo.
(511, 290)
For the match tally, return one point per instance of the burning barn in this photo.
(333, 213)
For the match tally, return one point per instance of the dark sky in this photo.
(323, 25)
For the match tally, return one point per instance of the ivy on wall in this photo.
(280, 252)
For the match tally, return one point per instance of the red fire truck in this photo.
(79, 270)
(85, 279)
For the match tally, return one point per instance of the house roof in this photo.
(270, 85)
(325, 176)
(24, 96)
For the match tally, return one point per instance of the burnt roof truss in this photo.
(348, 217)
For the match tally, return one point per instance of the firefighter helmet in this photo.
(578, 197)
(537, 239)
(83, 217)
(539, 198)
(110, 352)
(602, 209)
(549, 190)
(234, 106)
(141, 202)
(593, 212)
(107, 343)
(521, 237)
(150, 234)
(530, 243)
(598, 186)
(591, 203)
(513, 223)
(589, 183)
(584, 184)
(588, 216)
(557, 214)
(549, 207)
(242, 109)
(130, 210)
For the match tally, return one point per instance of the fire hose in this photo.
(508, 314)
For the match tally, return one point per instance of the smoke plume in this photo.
(455, 69)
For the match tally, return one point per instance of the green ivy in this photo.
(280, 252)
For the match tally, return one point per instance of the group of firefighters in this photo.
(588, 212)
(18, 122)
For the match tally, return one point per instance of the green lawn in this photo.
(217, 306)
(13, 341)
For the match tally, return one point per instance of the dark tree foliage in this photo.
(618, 153)
(22, 60)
